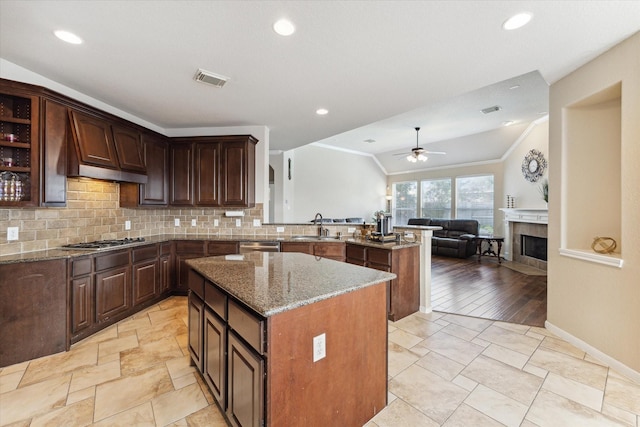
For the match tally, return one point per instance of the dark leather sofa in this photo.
(456, 239)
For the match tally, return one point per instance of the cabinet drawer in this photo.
(80, 267)
(216, 300)
(246, 325)
(356, 252)
(112, 260)
(196, 283)
(379, 256)
(222, 248)
(190, 247)
(165, 249)
(305, 248)
(335, 250)
(144, 253)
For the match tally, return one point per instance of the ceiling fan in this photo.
(418, 153)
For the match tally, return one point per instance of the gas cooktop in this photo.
(103, 244)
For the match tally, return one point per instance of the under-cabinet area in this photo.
(244, 343)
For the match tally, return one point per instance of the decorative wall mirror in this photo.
(533, 165)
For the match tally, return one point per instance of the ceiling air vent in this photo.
(210, 78)
(491, 109)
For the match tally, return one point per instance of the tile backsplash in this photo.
(93, 213)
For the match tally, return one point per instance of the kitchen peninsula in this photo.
(287, 339)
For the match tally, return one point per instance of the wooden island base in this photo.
(252, 325)
(349, 386)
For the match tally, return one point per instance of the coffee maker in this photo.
(384, 229)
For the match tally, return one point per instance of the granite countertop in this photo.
(160, 238)
(274, 282)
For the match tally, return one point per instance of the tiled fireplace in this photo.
(525, 236)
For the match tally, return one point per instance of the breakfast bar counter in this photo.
(288, 339)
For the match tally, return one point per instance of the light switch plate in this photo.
(127, 225)
(238, 222)
(12, 233)
(193, 222)
(256, 223)
(279, 229)
(215, 222)
(176, 222)
(351, 229)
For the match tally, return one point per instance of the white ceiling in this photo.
(380, 67)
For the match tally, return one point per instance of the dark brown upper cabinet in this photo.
(217, 171)
(128, 149)
(155, 192)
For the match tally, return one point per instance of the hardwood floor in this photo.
(487, 290)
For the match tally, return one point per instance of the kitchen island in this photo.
(288, 339)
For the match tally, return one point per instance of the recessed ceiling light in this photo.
(322, 111)
(507, 123)
(517, 21)
(514, 87)
(284, 27)
(370, 141)
(68, 37)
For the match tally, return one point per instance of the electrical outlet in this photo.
(216, 222)
(351, 229)
(319, 347)
(279, 229)
(256, 223)
(127, 225)
(12, 233)
(176, 222)
(193, 222)
(238, 222)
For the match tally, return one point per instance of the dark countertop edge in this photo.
(261, 311)
(47, 254)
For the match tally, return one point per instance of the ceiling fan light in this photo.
(411, 158)
(422, 157)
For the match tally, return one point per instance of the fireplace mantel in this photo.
(532, 215)
(519, 218)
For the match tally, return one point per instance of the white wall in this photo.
(596, 304)
(335, 183)
(527, 194)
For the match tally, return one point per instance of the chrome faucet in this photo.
(321, 231)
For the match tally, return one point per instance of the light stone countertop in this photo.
(161, 238)
(274, 282)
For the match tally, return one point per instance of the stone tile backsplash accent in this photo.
(93, 213)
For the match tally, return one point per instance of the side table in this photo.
(489, 251)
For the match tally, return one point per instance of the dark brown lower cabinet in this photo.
(113, 292)
(166, 267)
(146, 273)
(186, 249)
(33, 310)
(215, 359)
(196, 341)
(403, 294)
(245, 375)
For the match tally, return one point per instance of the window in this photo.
(436, 198)
(405, 202)
(474, 200)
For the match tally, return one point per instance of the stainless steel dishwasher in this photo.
(259, 246)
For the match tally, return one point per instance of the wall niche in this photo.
(591, 191)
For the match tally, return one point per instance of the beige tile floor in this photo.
(444, 370)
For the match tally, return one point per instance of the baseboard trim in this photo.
(594, 352)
